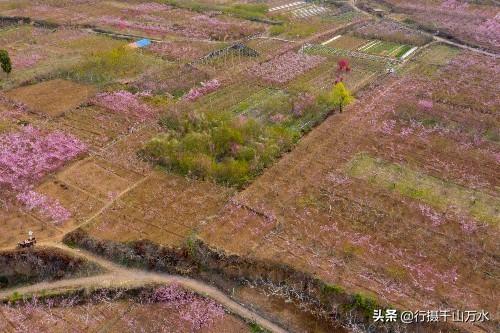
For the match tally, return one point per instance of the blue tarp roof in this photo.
(143, 43)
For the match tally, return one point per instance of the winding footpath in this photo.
(119, 276)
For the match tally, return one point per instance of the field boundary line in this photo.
(95, 162)
(136, 214)
(111, 202)
(331, 40)
(395, 51)
(251, 209)
(70, 184)
(51, 225)
(275, 38)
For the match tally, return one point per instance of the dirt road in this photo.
(119, 276)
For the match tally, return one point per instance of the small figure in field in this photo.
(30, 242)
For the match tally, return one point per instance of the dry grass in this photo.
(165, 209)
(98, 177)
(53, 98)
(15, 226)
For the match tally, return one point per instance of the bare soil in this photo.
(52, 98)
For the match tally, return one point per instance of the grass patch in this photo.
(436, 192)
(439, 55)
(247, 11)
(295, 29)
(403, 50)
(256, 328)
(397, 273)
(329, 289)
(382, 48)
(190, 5)
(106, 66)
(16, 296)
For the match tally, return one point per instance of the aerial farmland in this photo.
(249, 166)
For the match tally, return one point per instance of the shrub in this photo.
(47, 207)
(255, 328)
(29, 155)
(233, 171)
(5, 62)
(328, 289)
(341, 96)
(366, 304)
(214, 145)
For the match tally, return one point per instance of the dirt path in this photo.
(119, 276)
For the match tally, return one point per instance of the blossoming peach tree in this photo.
(29, 155)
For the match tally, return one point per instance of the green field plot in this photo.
(266, 46)
(438, 55)
(253, 103)
(347, 17)
(387, 49)
(436, 192)
(431, 59)
(374, 46)
(103, 67)
(401, 51)
(348, 42)
(224, 98)
(310, 25)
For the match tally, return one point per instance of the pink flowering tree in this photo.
(206, 88)
(286, 67)
(49, 208)
(198, 311)
(125, 103)
(29, 155)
